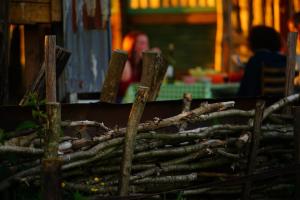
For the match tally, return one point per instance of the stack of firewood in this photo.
(181, 155)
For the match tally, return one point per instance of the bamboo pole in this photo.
(113, 76)
(129, 143)
(51, 164)
(254, 145)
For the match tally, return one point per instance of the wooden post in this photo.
(50, 66)
(51, 164)
(154, 70)
(113, 76)
(129, 143)
(296, 112)
(149, 69)
(259, 111)
(4, 43)
(291, 63)
(159, 77)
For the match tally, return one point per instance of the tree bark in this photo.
(129, 144)
(254, 146)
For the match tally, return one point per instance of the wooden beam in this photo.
(56, 10)
(34, 53)
(35, 11)
(4, 44)
(194, 18)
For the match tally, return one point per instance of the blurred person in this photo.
(135, 43)
(265, 43)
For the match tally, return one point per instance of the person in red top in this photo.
(135, 42)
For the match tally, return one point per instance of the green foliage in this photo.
(28, 124)
(78, 196)
(180, 196)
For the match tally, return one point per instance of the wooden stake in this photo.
(149, 69)
(254, 145)
(50, 66)
(113, 77)
(159, 77)
(291, 63)
(154, 70)
(51, 164)
(297, 147)
(129, 143)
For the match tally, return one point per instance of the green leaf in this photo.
(78, 196)
(27, 125)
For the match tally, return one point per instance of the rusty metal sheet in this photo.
(87, 35)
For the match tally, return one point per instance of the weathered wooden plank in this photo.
(56, 11)
(34, 53)
(62, 57)
(38, 11)
(30, 13)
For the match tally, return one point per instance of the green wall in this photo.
(194, 44)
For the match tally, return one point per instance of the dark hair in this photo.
(296, 19)
(263, 37)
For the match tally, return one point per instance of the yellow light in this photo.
(184, 3)
(244, 15)
(258, 14)
(22, 46)
(134, 4)
(211, 3)
(174, 3)
(192, 3)
(166, 3)
(155, 3)
(268, 14)
(277, 15)
(296, 5)
(219, 36)
(202, 3)
(144, 3)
